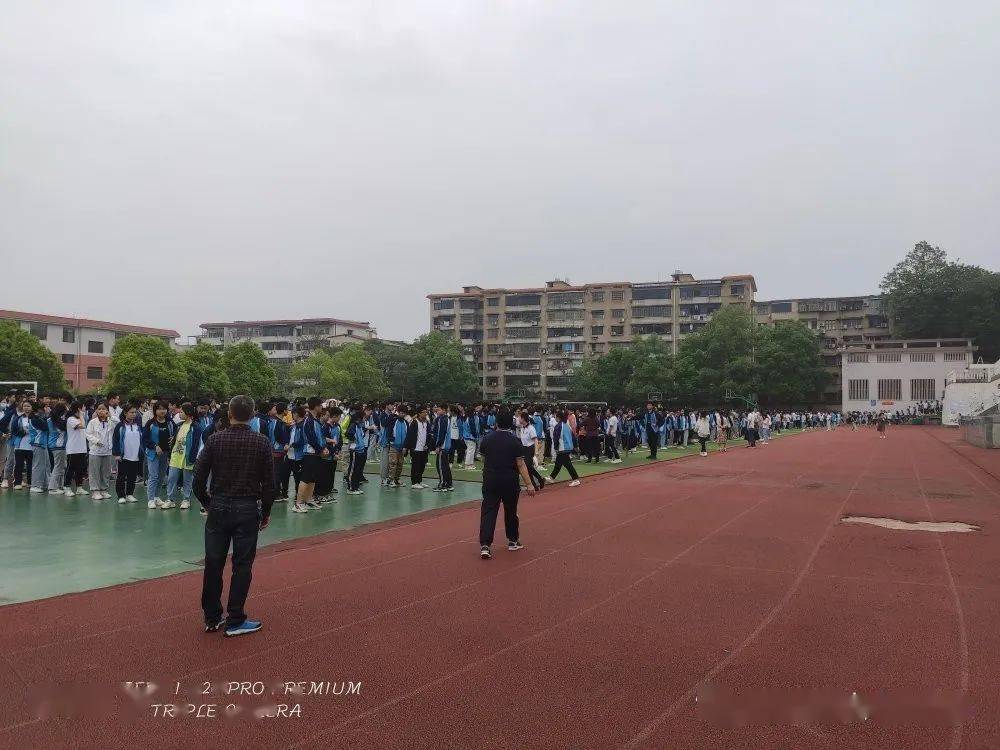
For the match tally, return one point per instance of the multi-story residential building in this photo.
(895, 374)
(82, 345)
(840, 321)
(530, 340)
(287, 341)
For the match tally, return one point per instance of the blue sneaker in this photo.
(247, 626)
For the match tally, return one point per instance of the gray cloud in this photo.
(171, 163)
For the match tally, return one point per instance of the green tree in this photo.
(396, 363)
(718, 358)
(349, 372)
(206, 374)
(789, 364)
(439, 371)
(22, 357)
(928, 296)
(248, 371)
(145, 366)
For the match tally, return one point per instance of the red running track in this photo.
(632, 590)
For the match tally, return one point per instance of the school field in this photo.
(717, 602)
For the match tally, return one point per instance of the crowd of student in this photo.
(57, 444)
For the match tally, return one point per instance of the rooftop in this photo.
(289, 322)
(87, 323)
(558, 285)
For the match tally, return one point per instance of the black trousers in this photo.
(236, 521)
(496, 492)
(22, 466)
(127, 472)
(653, 439)
(357, 469)
(76, 469)
(563, 459)
(459, 451)
(529, 462)
(444, 468)
(289, 469)
(704, 443)
(548, 445)
(418, 462)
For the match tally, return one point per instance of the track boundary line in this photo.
(963, 636)
(722, 663)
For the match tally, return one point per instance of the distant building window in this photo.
(95, 373)
(38, 330)
(597, 296)
(618, 314)
(921, 357)
(617, 295)
(954, 356)
(651, 292)
(889, 357)
(737, 289)
(522, 300)
(444, 304)
(597, 330)
(598, 314)
(493, 301)
(95, 347)
(617, 330)
(651, 311)
(857, 357)
(857, 390)
(890, 389)
(68, 358)
(781, 307)
(922, 389)
(69, 335)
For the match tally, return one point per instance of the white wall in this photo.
(905, 370)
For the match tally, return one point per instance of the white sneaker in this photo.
(132, 498)
(121, 501)
(68, 492)
(168, 504)
(151, 505)
(299, 508)
(18, 486)
(4, 484)
(81, 491)
(575, 483)
(157, 502)
(36, 491)
(185, 504)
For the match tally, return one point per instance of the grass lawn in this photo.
(639, 458)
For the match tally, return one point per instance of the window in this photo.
(564, 315)
(618, 314)
(276, 331)
(889, 357)
(736, 289)
(529, 332)
(597, 296)
(645, 329)
(597, 314)
(652, 311)
(890, 389)
(444, 304)
(857, 390)
(617, 330)
(492, 366)
(38, 330)
(95, 373)
(274, 346)
(597, 330)
(617, 295)
(565, 298)
(493, 320)
(471, 304)
(95, 347)
(781, 307)
(711, 290)
(954, 356)
(857, 357)
(69, 335)
(69, 358)
(561, 332)
(922, 389)
(921, 357)
(493, 301)
(120, 335)
(651, 292)
(492, 333)
(522, 300)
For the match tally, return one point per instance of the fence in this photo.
(983, 432)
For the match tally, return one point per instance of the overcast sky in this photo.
(172, 163)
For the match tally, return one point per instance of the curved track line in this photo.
(648, 730)
(963, 637)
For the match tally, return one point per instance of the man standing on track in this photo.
(239, 503)
(503, 462)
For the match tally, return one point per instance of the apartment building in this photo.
(840, 321)
(895, 374)
(82, 345)
(287, 341)
(530, 340)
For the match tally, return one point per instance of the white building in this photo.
(895, 374)
(971, 392)
(288, 341)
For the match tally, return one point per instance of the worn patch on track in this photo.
(947, 495)
(939, 527)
